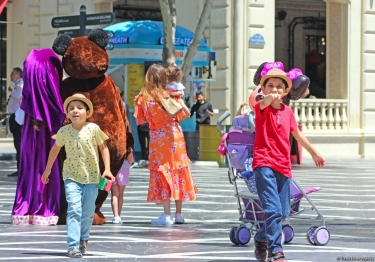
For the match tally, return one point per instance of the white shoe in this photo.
(179, 219)
(116, 220)
(164, 219)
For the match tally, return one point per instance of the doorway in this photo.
(315, 64)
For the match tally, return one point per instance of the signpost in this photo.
(81, 20)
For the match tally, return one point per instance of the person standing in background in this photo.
(170, 175)
(204, 110)
(14, 103)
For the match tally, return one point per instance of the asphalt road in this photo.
(347, 201)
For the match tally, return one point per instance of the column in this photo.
(368, 78)
(336, 62)
(354, 67)
(260, 38)
(238, 54)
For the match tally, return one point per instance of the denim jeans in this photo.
(274, 194)
(81, 206)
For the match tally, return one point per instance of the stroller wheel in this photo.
(288, 233)
(321, 236)
(310, 235)
(232, 235)
(242, 235)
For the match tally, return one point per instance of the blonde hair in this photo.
(154, 84)
(174, 73)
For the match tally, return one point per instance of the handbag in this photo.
(237, 155)
(171, 106)
(222, 149)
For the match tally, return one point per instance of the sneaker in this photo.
(83, 246)
(260, 251)
(164, 219)
(179, 219)
(277, 257)
(74, 253)
(116, 220)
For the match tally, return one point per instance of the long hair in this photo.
(154, 84)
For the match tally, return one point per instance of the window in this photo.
(315, 67)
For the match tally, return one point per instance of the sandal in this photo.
(83, 246)
(74, 253)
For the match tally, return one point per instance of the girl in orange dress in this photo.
(170, 175)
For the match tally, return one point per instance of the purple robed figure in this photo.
(36, 203)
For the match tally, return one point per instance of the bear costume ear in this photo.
(61, 43)
(299, 87)
(257, 76)
(99, 36)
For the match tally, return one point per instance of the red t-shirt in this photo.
(272, 147)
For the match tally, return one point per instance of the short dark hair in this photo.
(198, 94)
(284, 82)
(18, 71)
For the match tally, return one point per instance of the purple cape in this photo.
(36, 203)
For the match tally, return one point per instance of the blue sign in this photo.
(257, 39)
(119, 40)
(178, 41)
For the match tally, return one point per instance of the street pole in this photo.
(82, 20)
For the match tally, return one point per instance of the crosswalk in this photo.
(346, 200)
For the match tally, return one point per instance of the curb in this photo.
(8, 156)
(204, 164)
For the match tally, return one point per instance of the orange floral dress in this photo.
(170, 175)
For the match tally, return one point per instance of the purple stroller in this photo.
(239, 143)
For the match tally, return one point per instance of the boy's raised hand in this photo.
(108, 175)
(318, 160)
(278, 97)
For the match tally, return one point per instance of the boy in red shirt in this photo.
(274, 122)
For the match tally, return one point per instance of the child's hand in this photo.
(108, 175)
(318, 159)
(45, 176)
(177, 93)
(277, 97)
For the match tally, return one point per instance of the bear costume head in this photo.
(84, 57)
(85, 60)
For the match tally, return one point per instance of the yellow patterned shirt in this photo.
(81, 146)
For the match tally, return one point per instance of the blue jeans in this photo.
(81, 206)
(274, 194)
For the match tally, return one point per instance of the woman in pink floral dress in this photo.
(170, 175)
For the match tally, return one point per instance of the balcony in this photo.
(321, 115)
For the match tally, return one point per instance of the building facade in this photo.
(244, 34)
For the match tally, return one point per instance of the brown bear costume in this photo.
(85, 60)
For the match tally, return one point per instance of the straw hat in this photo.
(276, 73)
(79, 97)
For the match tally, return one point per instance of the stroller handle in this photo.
(221, 119)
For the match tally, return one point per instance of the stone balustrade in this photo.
(321, 114)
